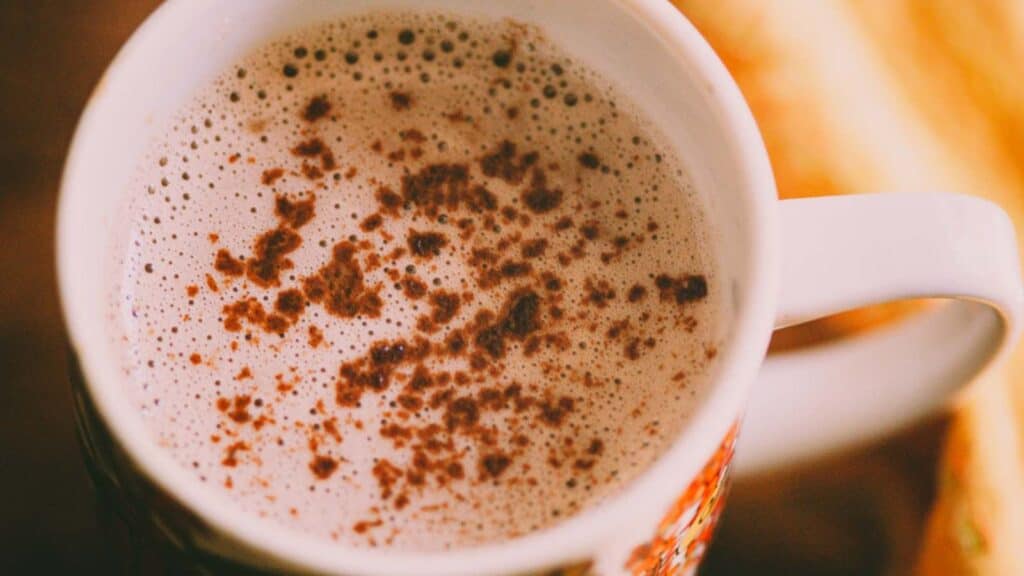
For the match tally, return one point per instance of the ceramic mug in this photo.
(780, 263)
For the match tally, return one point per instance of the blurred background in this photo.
(851, 95)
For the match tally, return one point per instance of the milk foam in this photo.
(413, 281)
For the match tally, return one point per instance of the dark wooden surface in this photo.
(52, 53)
(832, 520)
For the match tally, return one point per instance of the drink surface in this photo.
(415, 281)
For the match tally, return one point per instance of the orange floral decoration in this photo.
(685, 531)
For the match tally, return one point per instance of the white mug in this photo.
(781, 263)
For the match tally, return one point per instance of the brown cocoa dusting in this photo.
(633, 349)
(455, 471)
(295, 213)
(374, 372)
(276, 323)
(636, 293)
(315, 148)
(590, 230)
(583, 464)
(481, 199)
(598, 293)
(316, 337)
(388, 353)
(455, 344)
(432, 412)
(444, 306)
(317, 108)
(493, 465)
(323, 466)
(270, 176)
(514, 269)
(309, 148)
(589, 160)
(387, 475)
(239, 409)
(227, 264)
(578, 250)
(389, 201)
(509, 214)
(231, 454)
(413, 288)
(539, 197)
(363, 526)
(251, 311)
(564, 223)
(291, 303)
(311, 172)
(553, 413)
(426, 244)
(409, 402)
(340, 286)
(534, 248)
(355, 379)
(435, 186)
(270, 251)
(420, 380)
(412, 135)
(551, 282)
(457, 117)
(518, 320)
(683, 289)
(371, 222)
(373, 262)
(480, 256)
(617, 329)
(401, 100)
(462, 413)
(504, 163)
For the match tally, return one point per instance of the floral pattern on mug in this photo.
(684, 533)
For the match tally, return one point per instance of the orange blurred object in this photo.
(876, 95)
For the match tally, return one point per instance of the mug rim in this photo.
(574, 539)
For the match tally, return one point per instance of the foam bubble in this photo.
(407, 280)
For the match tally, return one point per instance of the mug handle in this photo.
(845, 252)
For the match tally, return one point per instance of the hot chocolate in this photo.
(416, 281)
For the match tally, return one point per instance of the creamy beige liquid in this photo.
(414, 281)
